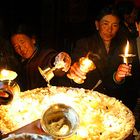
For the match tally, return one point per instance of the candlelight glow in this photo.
(4, 72)
(127, 57)
(101, 117)
(7, 75)
(86, 64)
(126, 52)
(126, 49)
(83, 132)
(7, 81)
(61, 98)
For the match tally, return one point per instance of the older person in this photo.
(33, 56)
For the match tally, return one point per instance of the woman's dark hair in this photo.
(107, 10)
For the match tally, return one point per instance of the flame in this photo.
(126, 49)
(86, 64)
(126, 52)
(4, 72)
(7, 75)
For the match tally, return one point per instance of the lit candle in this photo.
(126, 53)
(4, 72)
(86, 64)
(7, 75)
(7, 78)
(127, 57)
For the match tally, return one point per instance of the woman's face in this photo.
(23, 45)
(107, 27)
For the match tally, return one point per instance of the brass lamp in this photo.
(8, 87)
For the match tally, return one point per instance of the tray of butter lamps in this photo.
(100, 117)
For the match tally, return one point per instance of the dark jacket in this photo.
(106, 66)
(31, 77)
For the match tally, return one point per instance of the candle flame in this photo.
(4, 72)
(7, 75)
(126, 52)
(126, 48)
(87, 62)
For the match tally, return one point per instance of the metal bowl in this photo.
(6, 96)
(60, 121)
(7, 90)
(10, 85)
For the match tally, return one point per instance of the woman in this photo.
(111, 75)
(137, 108)
(33, 56)
(137, 24)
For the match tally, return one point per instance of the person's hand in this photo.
(76, 74)
(122, 71)
(63, 61)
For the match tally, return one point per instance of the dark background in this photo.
(54, 20)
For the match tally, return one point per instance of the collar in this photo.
(29, 59)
